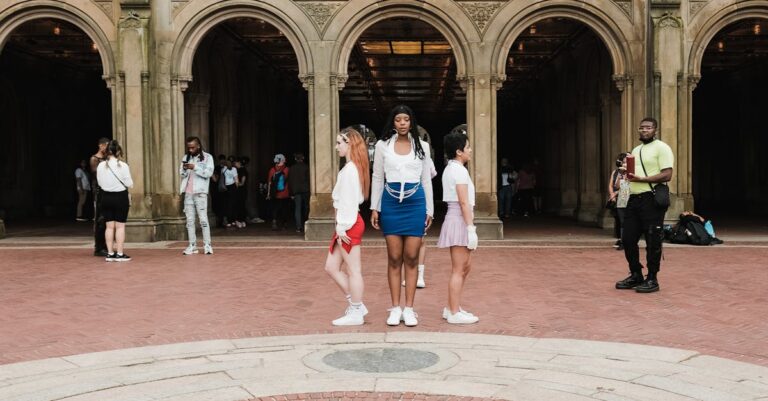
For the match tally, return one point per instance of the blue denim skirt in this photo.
(404, 218)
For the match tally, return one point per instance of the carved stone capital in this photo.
(498, 80)
(622, 81)
(465, 81)
(339, 80)
(145, 76)
(668, 20)
(180, 81)
(695, 6)
(693, 81)
(307, 80)
(131, 20)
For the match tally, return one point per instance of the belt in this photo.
(402, 194)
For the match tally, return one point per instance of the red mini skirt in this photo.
(355, 234)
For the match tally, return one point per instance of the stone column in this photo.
(323, 92)
(2, 229)
(668, 38)
(481, 126)
(132, 84)
(684, 157)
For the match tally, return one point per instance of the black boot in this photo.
(630, 282)
(651, 284)
(648, 286)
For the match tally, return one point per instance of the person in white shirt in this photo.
(458, 231)
(350, 191)
(196, 171)
(114, 177)
(231, 182)
(402, 205)
(83, 186)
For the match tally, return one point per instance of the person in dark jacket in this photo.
(298, 183)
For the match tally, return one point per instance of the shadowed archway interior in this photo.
(559, 115)
(403, 61)
(246, 99)
(54, 107)
(730, 169)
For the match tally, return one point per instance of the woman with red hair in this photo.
(351, 189)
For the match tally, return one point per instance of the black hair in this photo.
(620, 158)
(196, 139)
(231, 159)
(222, 157)
(104, 140)
(114, 149)
(453, 142)
(389, 128)
(650, 120)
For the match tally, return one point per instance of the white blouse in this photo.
(347, 196)
(454, 174)
(110, 182)
(230, 176)
(388, 166)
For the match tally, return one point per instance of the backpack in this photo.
(278, 181)
(691, 231)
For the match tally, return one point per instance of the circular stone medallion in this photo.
(381, 360)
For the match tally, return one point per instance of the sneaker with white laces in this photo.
(111, 257)
(447, 312)
(395, 315)
(208, 249)
(462, 318)
(362, 308)
(352, 317)
(191, 250)
(409, 317)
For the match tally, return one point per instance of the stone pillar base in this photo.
(2, 228)
(170, 229)
(318, 229)
(590, 215)
(489, 228)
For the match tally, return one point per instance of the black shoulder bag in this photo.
(660, 191)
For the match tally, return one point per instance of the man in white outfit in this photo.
(196, 171)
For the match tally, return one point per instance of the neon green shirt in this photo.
(657, 156)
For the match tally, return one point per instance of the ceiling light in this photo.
(511, 61)
(756, 29)
(720, 46)
(521, 46)
(533, 29)
(57, 30)
(406, 47)
(94, 47)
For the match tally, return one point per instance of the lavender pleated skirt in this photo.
(454, 230)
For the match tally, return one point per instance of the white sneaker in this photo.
(409, 317)
(462, 318)
(420, 281)
(447, 312)
(395, 315)
(362, 308)
(208, 249)
(403, 284)
(352, 317)
(256, 220)
(191, 250)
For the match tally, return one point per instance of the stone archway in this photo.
(604, 27)
(601, 125)
(725, 78)
(714, 24)
(14, 17)
(195, 29)
(49, 94)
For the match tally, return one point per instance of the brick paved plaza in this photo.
(248, 322)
